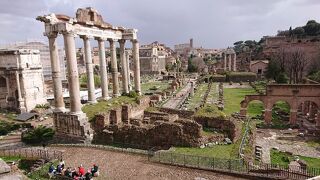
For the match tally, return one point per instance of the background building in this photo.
(44, 56)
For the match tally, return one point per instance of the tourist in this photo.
(52, 169)
(74, 173)
(61, 163)
(59, 169)
(94, 170)
(68, 172)
(81, 170)
(88, 175)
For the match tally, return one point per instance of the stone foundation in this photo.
(72, 128)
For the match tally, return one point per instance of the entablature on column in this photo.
(87, 23)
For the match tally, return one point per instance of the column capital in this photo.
(51, 34)
(100, 38)
(134, 40)
(68, 33)
(122, 41)
(112, 40)
(86, 37)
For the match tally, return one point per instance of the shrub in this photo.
(6, 127)
(39, 135)
(210, 111)
(43, 106)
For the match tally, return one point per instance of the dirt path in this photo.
(116, 165)
(174, 101)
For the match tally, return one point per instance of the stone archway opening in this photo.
(281, 114)
(308, 113)
(255, 109)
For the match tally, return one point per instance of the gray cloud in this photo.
(212, 23)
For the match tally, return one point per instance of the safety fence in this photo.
(237, 166)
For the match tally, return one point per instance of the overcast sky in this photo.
(212, 23)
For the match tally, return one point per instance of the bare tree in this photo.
(296, 65)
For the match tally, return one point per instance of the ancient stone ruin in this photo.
(88, 24)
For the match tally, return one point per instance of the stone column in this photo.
(73, 76)
(267, 116)
(56, 73)
(235, 62)
(243, 111)
(225, 62)
(124, 66)
(114, 68)
(128, 70)
(293, 116)
(89, 68)
(103, 69)
(21, 107)
(318, 119)
(136, 60)
(230, 63)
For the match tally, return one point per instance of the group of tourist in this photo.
(75, 173)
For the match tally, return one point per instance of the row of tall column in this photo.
(229, 63)
(73, 76)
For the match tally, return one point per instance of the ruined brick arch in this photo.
(294, 95)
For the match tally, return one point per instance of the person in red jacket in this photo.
(82, 171)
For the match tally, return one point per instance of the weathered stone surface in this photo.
(4, 168)
(160, 134)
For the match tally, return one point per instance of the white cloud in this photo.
(212, 23)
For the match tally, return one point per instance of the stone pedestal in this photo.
(243, 111)
(72, 128)
(293, 117)
(267, 116)
(115, 116)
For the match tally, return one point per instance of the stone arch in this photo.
(248, 98)
(3, 82)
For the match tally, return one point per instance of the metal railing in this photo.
(34, 153)
(236, 166)
(244, 138)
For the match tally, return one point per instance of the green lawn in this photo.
(10, 159)
(233, 97)
(214, 94)
(218, 151)
(160, 85)
(42, 173)
(284, 159)
(103, 106)
(198, 96)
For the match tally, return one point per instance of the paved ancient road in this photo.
(117, 165)
(173, 102)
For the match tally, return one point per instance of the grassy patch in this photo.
(103, 106)
(42, 173)
(255, 108)
(10, 159)
(284, 159)
(314, 143)
(218, 151)
(154, 86)
(198, 96)
(233, 97)
(210, 111)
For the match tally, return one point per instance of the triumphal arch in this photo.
(88, 25)
(303, 97)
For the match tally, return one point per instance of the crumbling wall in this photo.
(160, 134)
(231, 126)
(180, 113)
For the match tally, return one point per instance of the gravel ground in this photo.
(116, 165)
(267, 139)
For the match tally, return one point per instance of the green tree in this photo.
(273, 69)
(39, 135)
(191, 66)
